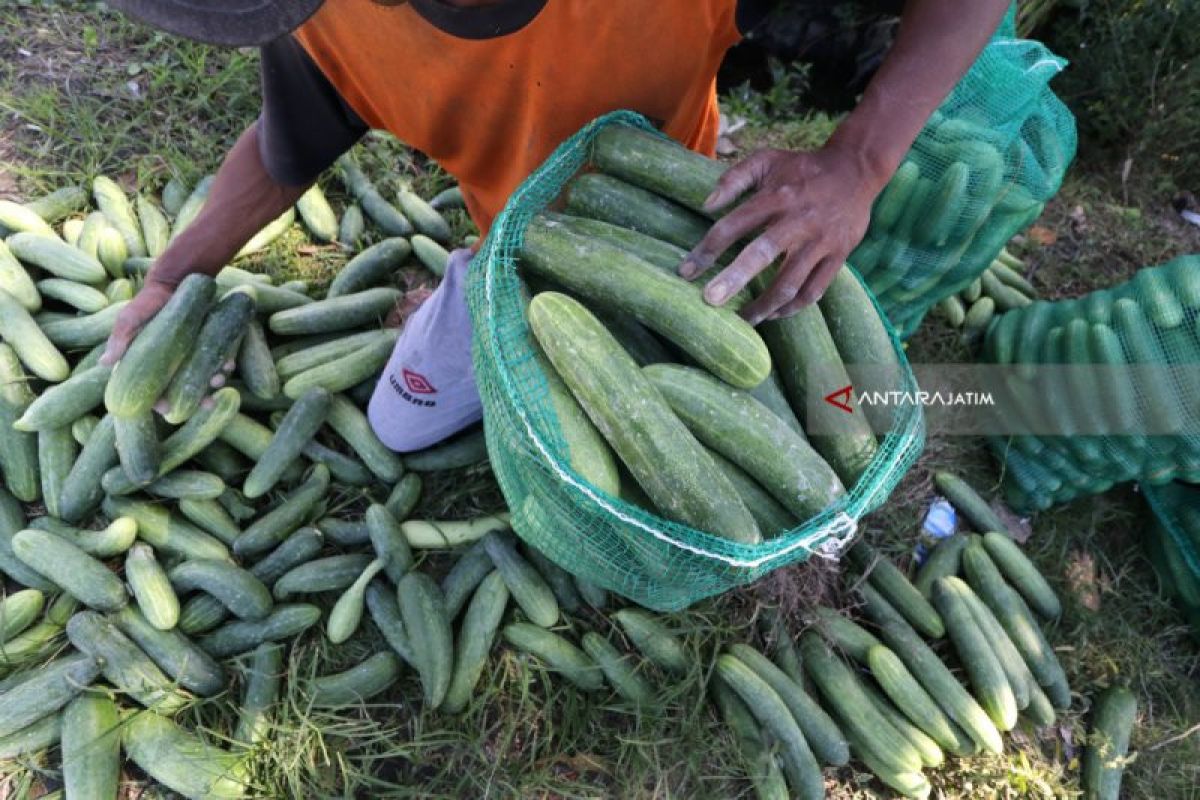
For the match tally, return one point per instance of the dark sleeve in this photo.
(750, 13)
(305, 124)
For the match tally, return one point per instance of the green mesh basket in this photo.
(1176, 507)
(655, 562)
(980, 171)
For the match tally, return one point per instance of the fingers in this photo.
(739, 179)
(753, 259)
(786, 285)
(221, 377)
(132, 319)
(818, 281)
(738, 224)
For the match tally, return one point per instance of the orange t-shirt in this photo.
(490, 110)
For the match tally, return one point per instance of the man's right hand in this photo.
(140, 310)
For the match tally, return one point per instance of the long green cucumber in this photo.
(177, 655)
(424, 218)
(325, 352)
(475, 637)
(200, 430)
(745, 431)
(427, 624)
(382, 213)
(156, 231)
(79, 333)
(317, 214)
(151, 588)
(716, 337)
(236, 588)
(460, 450)
(263, 680)
(213, 346)
(35, 350)
(663, 455)
(33, 738)
(123, 663)
(164, 531)
(18, 450)
(82, 490)
(612, 200)
(557, 653)
(138, 448)
(404, 496)
(59, 203)
(389, 542)
(589, 454)
(1113, 718)
(77, 295)
(887, 578)
(344, 312)
(384, 609)
(56, 257)
(468, 571)
(620, 669)
(1021, 573)
(844, 633)
(654, 639)
(932, 755)
(657, 164)
(46, 691)
(1020, 679)
(63, 403)
(268, 234)
(771, 517)
(757, 758)
(255, 364)
(113, 540)
(364, 363)
(357, 684)
(15, 280)
(18, 610)
(300, 424)
(346, 613)
(82, 576)
(967, 500)
(111, 200)
(820, 731)
(286, 621)
(945, 559)
(351, 227)
(182, 761)
(528, 588)
(91, 747)
(558, 579)
(327, 574)
(351, 424)
(274, 526)
(302, 546)
(918, 706)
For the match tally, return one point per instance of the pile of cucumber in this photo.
(1150, 321)
(1173, 544)
(666, 401)
(1000, 288)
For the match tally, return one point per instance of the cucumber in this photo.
(854, 709)
(907, 694)
(404, 496)
(35, 350)
(528, 588)
(60, 203)
(820, 731)
(33, 738)
(800, 766)
(1022, 575)
(618, 669)
(475, 638)
(15, 217)
(77, 573)
(123, 663)
(432, 255)
(46, 691)
(183, 762)
(325, 352)
(382, 213)
(771, 517)
(344, 312)
(275, 525)
(1020, 679)
(210, 516)
(803, 348)
(113, 540)
(82, 429)
(757, 758)
(165, 532)
(1016, 619)
(82, 490)
(664, 255)
(770, 394)
(655, 641)
(182, 484)
(268, 299)
(151, 588)
(269, 233)
(658, 164)
(663, 455)
(716, 337)
(611, 200)
(887, 578)
(177, 655)
(236, 588)
(967, 500)
(427, 624)
(317, 214)
(932, 755)
(255, 365)
(1156, 298)
(16, 281)
(558, 579)
(557, 653)
(893, 200)
(145, 370)
(352, 426)
(468, 571)
(111, 200)
(862, 340)
(78, 333)
(201, 430)
(844, 634)
(424, 218)
(352, 226)
(986, 675)
(589, 455)
(344, 532)
(88, 240)
(12, 520)
(461, 450)
(18, 610)
(978, 317)
(138, 448)
(299, 426)
(342, 468)
(1113, 718)
(346, 614)
(299, 548)
(932, 674)
(62, 404)
(77, 295)
(56, 257)
(945, 559)
(385, 613)
(111, 250)
(91, 747)
(745, 431)
(370, 267)
(18, 450)
(174, 194)
(364, 364)
(389, 542)
(213, 345)
(155, 229)
(286, 621)
(328, 574)
(357, 684)
(263, 679)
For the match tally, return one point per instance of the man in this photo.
(488, 88)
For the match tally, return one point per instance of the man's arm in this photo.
(243, 199)
(813, 208)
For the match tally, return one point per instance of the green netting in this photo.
(1176, 554)
(651, 560)
(981, 170)
(1140, 342)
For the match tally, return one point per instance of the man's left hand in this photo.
(811, 208)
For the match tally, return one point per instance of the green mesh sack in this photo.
(1174, 543)
(655, 562)
(980, 171)
(1116, 374)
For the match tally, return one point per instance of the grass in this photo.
(89, 93)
